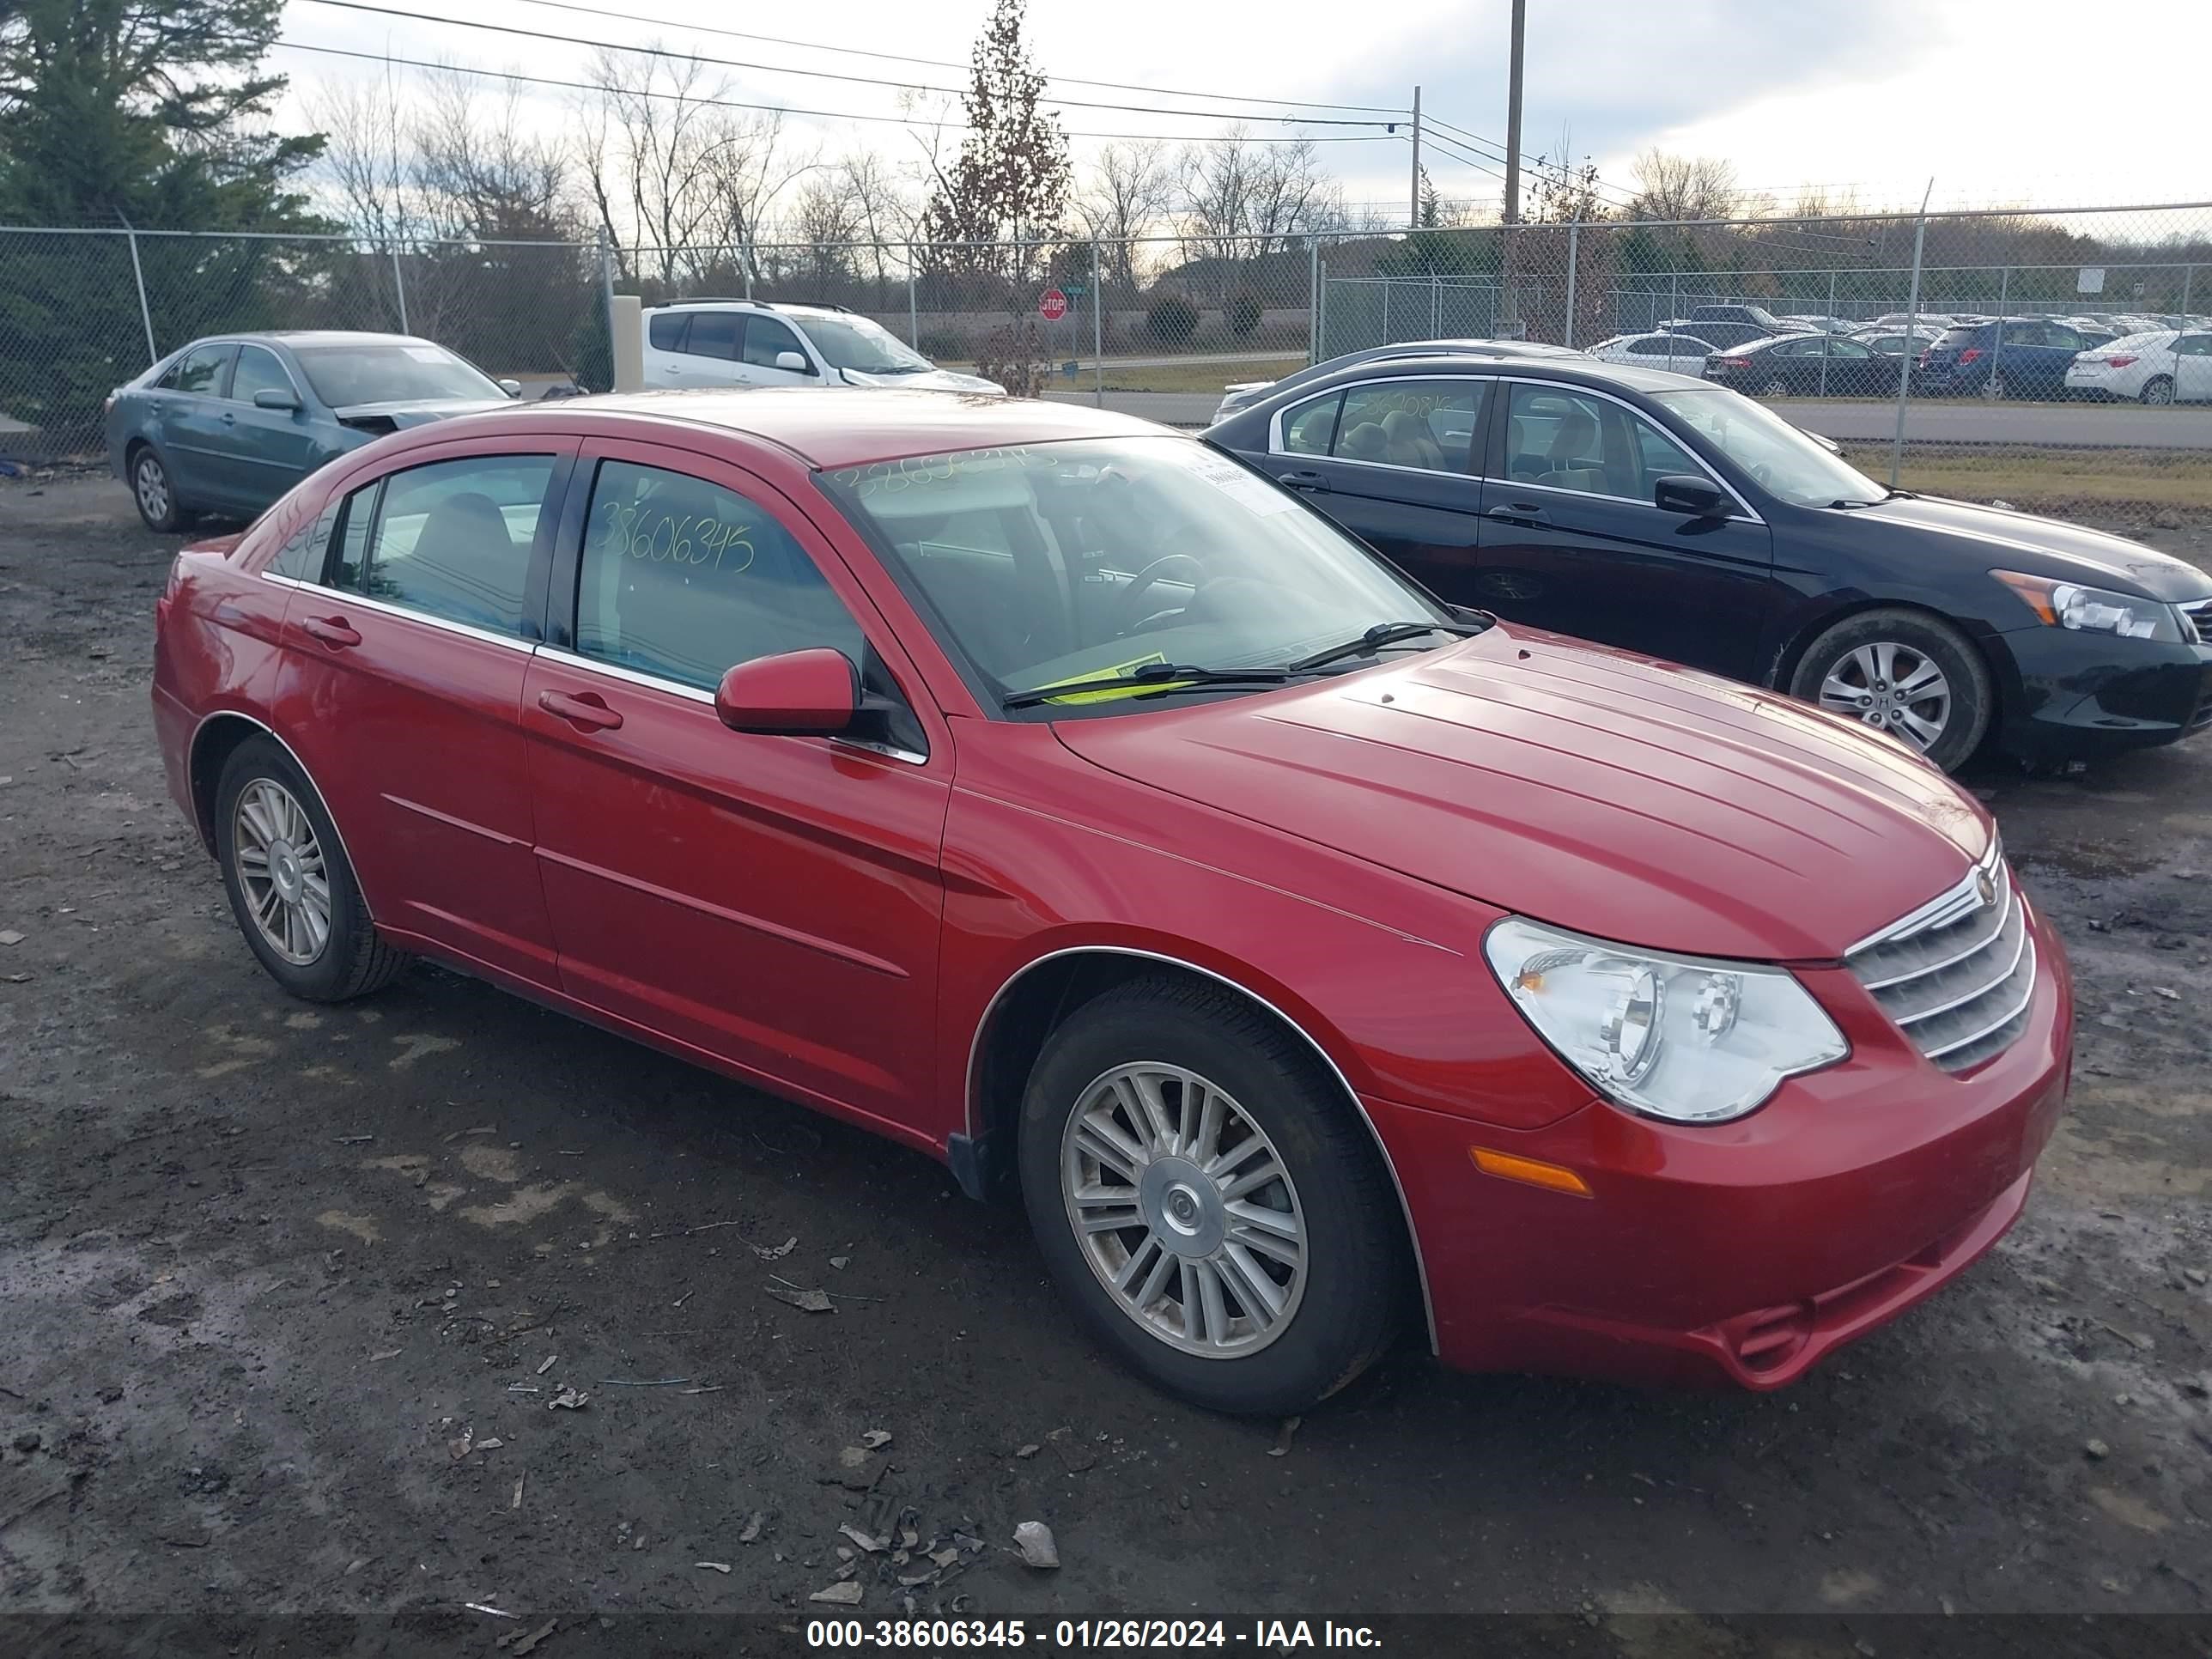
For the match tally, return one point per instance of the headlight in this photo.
(2092, 610)
(1677, 1037)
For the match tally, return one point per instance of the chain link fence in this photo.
(2038, 356)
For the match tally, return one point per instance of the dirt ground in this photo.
(287, 1296)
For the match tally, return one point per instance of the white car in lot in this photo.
(1679, 353)
(2168, 366)
(726, 342)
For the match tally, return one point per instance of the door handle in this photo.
(333, 631)
(1519, 513)
(582, 708)
(1305, 478)
(229, 419)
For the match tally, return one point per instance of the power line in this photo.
(820, 75)
(946, 62)
(1496, 151)
(773, 109)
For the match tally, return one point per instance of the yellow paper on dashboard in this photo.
(1108, 694)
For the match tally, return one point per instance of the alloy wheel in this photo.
(280, 870)
(2159, 392)
(1184, 1210)
(153, 487)
(1893, 687)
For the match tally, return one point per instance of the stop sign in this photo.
(1053, 306)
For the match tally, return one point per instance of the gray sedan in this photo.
(228, 423)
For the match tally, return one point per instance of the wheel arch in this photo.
(215, 739)
(1038, 997)
(1794, 647)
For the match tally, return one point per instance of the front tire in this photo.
(155, 494)
(290, 886)
(1903, 672)
(1206, 1199)
(1775, 387)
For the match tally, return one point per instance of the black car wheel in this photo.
(1906, 673)
(156, 496)
(289, 883)
(2000, 386)
(1207, 1202)
(1776, 386)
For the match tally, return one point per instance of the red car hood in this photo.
(1601, 791)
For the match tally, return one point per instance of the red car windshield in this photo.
(1049, 563)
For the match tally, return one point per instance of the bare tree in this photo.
(367, 158)
(1268, 193)
(881, 208)
(1130, 190)
(1679, 187)
(827, 225)
(646, 146)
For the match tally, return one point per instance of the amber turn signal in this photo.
(1532, 1171)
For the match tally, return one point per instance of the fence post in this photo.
(1574, 256)
(1321, 302)
(1911, 317)
(607, 299)
(1313, 299)
(1996, 346)
(2188, 276)
(1098, 330)
(399, 287)
(1673, 295)
(138, 275)
(1832, 317)
(913, 310)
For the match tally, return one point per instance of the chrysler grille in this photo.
(1957, 973)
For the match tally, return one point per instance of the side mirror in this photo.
(1694, 497)
(795, 361)
(1825, 442)
(513, 388)
(276, 396)
(815, 692)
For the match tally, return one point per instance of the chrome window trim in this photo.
(348, 596)
(192, 757)
(1748, 515)
(692, 693)
(975, 1051)
(1275, 426)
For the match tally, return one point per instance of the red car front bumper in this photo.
(1739, 1253)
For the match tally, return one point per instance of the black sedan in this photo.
(1688, 522)
(1805, 366)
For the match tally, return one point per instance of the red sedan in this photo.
(1054, 795)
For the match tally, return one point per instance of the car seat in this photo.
(1572, 462)
(441, 573)
(1411, 442)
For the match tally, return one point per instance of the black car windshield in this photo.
(864, 347)
(404, 372)
(1783, 460)
(1050, 563)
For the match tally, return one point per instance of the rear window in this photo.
(1958, 336)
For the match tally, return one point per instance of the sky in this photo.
(1999, 102)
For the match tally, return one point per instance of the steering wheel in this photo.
(1765, 474)
(1128, 613)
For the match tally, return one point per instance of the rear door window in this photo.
(199, 371)
(1428, 424)
(452, 540)
(666, 331)
(714, 334)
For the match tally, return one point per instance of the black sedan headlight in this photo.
(2094, 610)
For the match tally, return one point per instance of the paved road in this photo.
(2125, 426)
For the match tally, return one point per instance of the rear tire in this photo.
(291, 888)
(1192, 1318)
(1841, 672)
(153, 492)
(2158, 391)
(1776, 387)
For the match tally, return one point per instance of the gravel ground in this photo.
(290, 1294)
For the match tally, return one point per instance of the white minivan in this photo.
(753, 342)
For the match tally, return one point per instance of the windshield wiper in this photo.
(1381, 635)
(1153, 680)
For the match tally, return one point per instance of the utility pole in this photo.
(1512, 295)
(1512, 114)
(1413, 199)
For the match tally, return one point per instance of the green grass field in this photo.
(2042, 479)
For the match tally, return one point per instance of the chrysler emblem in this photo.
(1986, 885)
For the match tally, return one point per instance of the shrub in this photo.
(1244, 313)
(1170, 320)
